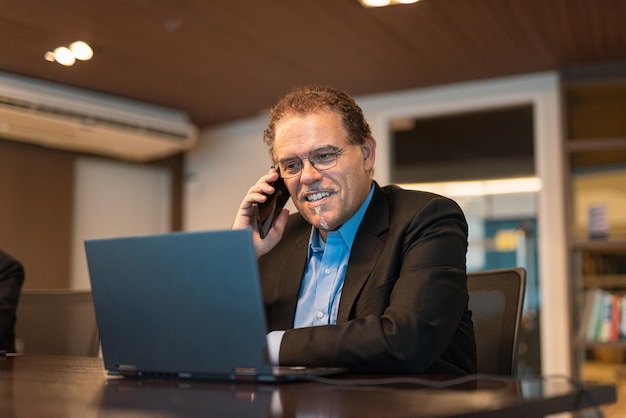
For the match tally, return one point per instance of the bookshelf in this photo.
(594, 111)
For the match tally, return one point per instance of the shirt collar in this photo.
(347, 231)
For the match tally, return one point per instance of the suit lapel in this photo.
(366, 250)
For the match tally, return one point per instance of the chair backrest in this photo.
(56, 321)
(496, 298)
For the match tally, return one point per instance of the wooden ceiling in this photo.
(222, 60)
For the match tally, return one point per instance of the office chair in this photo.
(57, 321)
(496, 299)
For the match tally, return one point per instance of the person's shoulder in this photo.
(404, 202)
(398, 193)
(10, 265)
(6, 258)
(419, 207)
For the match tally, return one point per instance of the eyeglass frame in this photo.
(335, 152)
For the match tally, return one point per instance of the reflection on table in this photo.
(56, 386)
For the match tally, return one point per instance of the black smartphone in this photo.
(266, 212)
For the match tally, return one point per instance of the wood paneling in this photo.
(224, 60)
(36, 206)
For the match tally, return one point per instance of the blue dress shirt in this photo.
(323, 278)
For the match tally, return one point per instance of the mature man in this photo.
(364, 277)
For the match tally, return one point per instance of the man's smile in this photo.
(314, 197)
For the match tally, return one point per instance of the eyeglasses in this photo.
(321, 159)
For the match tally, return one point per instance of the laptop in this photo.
(183, 305)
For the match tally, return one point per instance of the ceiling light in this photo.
(375, 3)
(49, 56)
(381, 3)
(81, 50)
(64, 56)
(67, 55)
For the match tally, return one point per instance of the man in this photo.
(11, 279)
(367, 278)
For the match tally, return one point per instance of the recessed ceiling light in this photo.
(81, 50)
(382, 3)
(49, 56)
(67, 55)
(64, 56)
(375, 3)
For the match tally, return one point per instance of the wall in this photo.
(36, 211)
(230, 158)
(115, 198)
(226, 163)
(53, 200)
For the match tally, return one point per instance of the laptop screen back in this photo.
(180, 303)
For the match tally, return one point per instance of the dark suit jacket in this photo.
(403, 307)
(11, 279)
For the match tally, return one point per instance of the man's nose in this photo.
(309, 172)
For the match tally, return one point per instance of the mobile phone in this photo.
(266, 212)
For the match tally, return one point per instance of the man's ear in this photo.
(368, 149)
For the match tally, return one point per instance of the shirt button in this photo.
(327, 271)
(320, 315)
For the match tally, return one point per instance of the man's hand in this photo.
(246, 215)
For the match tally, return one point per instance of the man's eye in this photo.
(323, 156)
(291, 166)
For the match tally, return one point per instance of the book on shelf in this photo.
(604, 317)
(604, 263)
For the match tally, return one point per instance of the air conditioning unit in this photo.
(78, 120)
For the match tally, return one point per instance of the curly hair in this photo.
(310, 99)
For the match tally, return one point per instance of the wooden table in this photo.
(57, 386)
